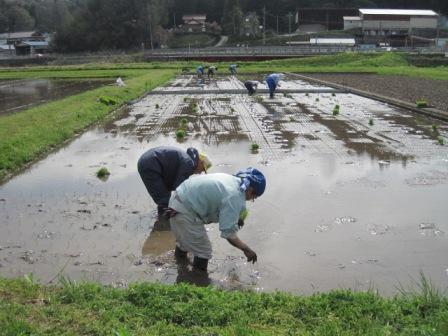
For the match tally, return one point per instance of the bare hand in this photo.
(250, 255)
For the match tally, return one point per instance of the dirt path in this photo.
(408, 89)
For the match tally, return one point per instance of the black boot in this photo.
(200, 263)
(180, 254)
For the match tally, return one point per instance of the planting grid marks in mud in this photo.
(59, 217)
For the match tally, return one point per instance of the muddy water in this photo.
(21, 94)
(353, 201)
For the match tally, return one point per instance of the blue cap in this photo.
(254, 178)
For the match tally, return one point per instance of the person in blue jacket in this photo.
(273, 81)
(213, 198)
(200, 71)
(164, 168)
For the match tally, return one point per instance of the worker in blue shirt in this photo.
(273, 81)
(213, 198)
(164, 168)
(200, 71)
(232, 68)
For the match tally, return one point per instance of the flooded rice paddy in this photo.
(16, 95)
(355, 200)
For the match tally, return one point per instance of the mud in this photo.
(355, 200)
(22, 94)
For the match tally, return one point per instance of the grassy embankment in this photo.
(382, 64)
(155, 309)
(26, 135)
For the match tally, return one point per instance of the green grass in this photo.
(27, 135)
(72, 308)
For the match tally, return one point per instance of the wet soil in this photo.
(405, 88)
(22, 94)
(355, 200)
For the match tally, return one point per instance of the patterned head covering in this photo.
(254, 178)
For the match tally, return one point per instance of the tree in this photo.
(232, 17)
(18, 19)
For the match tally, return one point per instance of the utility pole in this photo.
(264, 25)
(277, 24)
(289, 22)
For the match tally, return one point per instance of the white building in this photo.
(381, 22)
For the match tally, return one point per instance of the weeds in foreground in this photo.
(76, 308)
(441, 141)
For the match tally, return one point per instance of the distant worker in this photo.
(251, 86)
(211, 71)
(213, 198)
(200, 71)
(273, 81)
(232, 68)
(164, 168)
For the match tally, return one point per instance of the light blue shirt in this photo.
(215, 198)
(275, 77)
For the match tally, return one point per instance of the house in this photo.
(6, 49)
(31, 48)
(194, 23)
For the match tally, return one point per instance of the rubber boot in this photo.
(200, 264)
(180, 254)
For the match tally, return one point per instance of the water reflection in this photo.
(22, 94)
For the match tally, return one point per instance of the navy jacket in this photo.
(171, 164)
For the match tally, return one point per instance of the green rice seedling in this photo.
(333, 94)
(180, 134)
(183, 122)
(307, 94)
(421, 103)
(371, 122)
(254, 147)
(335, 111)
(435, 128)
(317, 99)
(441, 141)
(186, 99)
(157, 106)
(102, 173)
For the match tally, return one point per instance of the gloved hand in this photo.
(240, 223)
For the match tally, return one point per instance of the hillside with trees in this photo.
(90, 25)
